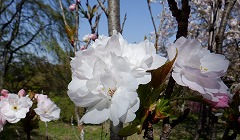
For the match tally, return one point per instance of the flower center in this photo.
(203, 69)
(15, 108)
(111, 92)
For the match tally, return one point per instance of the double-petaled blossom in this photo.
(14, 108)
(200, 70)
(106, 75)
(46, 109)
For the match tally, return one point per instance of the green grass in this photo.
(65, 131)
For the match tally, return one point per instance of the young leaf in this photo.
(94, 9)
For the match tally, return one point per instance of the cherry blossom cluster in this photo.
(105, 78)
(14, 107)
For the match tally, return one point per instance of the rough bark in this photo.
(113, 16)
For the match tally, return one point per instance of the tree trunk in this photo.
(113, 16)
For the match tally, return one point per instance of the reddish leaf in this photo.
(160, 74)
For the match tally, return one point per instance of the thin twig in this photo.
(123, 23)
(103, 7)
(76, 45)
(154, 25)
(63, 15)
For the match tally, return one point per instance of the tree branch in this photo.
(174, 9)
(103, 7)
(220, 35)
(18, 9)
(154, 25)
(63, 15)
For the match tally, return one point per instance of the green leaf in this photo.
(143, 93)
(130, 130)
(160, 74)
(163, 109)
(89, 8)
(94, 9)
(156, 93)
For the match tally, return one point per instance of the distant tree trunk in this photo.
(181, 16)
(225, 16)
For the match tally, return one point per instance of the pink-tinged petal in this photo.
(221, 103)
(47, 110)
(178, 78)
(218, 64)
(192, 85)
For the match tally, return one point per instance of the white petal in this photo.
(95, 117)
(120, 102)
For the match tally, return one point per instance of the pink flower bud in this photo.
(72, 7)
(21, 93)
(93, 36)
(5, 92)
(78, 1)
(222, 103)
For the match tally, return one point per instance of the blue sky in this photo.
(137, 25)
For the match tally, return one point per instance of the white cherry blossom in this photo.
(46, 109)
(198, 69)
(106, 76)
(14, 108)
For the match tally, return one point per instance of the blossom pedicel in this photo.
(106, 75)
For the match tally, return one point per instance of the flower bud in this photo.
(21, 93)
(72, 7)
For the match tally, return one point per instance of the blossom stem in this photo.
(46, 133)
